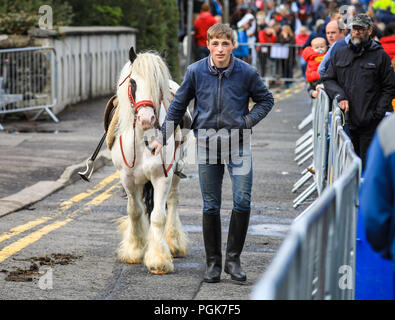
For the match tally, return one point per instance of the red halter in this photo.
(137, 106)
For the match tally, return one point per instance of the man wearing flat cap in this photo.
(362, 79)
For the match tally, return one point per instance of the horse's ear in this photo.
(163, 54)
(132, 55)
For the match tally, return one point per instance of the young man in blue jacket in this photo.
(377, 193)
(222, 86)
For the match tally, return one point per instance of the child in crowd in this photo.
(313, 56)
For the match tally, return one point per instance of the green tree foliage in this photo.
(156, 21)
(105, 15)
(17, 17)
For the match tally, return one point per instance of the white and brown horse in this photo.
(144, 95)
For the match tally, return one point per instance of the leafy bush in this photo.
(17, 22)
(17, 17)
(101, 15)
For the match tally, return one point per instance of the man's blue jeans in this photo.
(211, 176)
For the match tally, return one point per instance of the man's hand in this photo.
(155, 145)
(344, 105)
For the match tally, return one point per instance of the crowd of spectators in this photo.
(262, 24)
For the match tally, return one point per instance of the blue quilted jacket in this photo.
(221, 99)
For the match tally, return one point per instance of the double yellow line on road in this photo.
(64, 206)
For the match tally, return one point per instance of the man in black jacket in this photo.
(362, 79)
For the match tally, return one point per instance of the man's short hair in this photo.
(205, 7)
(220, 30)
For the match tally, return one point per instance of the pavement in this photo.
(40, 157)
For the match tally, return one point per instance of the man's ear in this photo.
(370, 31)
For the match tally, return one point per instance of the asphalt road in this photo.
(66, 250)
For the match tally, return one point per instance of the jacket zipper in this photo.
(219, 100)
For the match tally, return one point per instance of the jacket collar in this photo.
(213, 70)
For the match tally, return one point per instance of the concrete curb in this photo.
(42, 189)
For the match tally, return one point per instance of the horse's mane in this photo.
(150, 67)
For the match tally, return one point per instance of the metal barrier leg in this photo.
(302, 181)
(37, 115)
(303, 138)
(304, 145)
(304, 195)
(52, 115)
(302, 154)
(307, 169)
(306, 158)
(306, 121)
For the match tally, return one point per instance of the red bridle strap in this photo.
(142, 104)
(137, 106)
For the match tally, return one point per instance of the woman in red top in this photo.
(388, 42)
(202, 24)
(300, 40)
(267, 35)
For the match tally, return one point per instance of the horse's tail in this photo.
(148, 197)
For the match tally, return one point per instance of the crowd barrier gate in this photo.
(314, 144)
(28, 80)
(317, 258)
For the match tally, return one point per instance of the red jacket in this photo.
(301, 40)
(202, 24)
(388, 44)
(313, 60)
(264, 38)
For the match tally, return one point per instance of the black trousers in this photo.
(361, 139)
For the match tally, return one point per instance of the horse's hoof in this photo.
(158, 271)
(133, 261)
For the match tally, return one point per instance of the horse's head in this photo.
(146, 116)
(148, 78)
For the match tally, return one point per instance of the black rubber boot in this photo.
(236, 236)
(212, 245)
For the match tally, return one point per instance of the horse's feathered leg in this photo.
(157, 257)
(134, 227)
(174, 234)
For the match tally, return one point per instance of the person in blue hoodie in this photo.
(377, 192)
(222, 86)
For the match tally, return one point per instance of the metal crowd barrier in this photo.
(28, 80)
(317, 259)
(314, 144)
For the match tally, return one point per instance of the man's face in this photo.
(220, 50)
(333, 32)
(360, 34)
